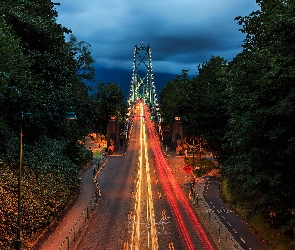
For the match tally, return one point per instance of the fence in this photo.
(218, 232)
(80, 223)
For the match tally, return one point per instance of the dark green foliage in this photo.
(9, 144)
(78, 154)
(82, 54)
(108, 100)
(260, 132)
(245, 110)
(174, 96)
(199, 102)
(209, 117)
(42, 73)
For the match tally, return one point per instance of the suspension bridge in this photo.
(142, 86)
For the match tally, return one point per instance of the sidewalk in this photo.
(59, 230)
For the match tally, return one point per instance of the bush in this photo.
(204, 165)
(78, 153)
(49, 181)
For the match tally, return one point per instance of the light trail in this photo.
(143, 188)
(170, 190)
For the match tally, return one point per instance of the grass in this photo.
(275, 240)
(205, 165)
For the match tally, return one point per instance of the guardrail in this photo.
(218, 231)
(80, 223)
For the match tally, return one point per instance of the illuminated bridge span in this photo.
(143, 83)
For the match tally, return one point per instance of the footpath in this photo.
(59, 230)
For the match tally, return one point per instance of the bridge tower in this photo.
(143, 83)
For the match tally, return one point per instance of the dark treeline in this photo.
(42, 73)
(245, 110)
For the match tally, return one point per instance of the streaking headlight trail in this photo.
(172, 189)
(143, 209)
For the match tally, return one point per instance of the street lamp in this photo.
(193, 151)
(70, 115)
(18, 239)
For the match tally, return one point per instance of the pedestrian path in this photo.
(87, 190)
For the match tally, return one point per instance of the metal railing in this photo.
(217, 230)
(80, 223)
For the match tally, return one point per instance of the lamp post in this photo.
(193, 156)
(18, 241)
(70, 115)
(194, 148)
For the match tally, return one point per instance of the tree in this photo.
(199, 101)
(108, 100)
(173, 97)
(206, 115)
(82, 53)
(48, 90)
(38, 74)
(261, 127)
(14, 69)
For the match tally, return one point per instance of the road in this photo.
(143, 206)
(238, 229)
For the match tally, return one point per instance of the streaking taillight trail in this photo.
(173, 191)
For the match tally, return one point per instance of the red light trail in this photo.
(171, 188)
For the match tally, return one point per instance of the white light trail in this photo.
(143, 188)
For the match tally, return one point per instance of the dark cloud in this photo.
(182, 34)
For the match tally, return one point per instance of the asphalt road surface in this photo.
(238, 229)
(143, 206)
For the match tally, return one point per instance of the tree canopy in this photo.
(108, 100)
(245, 109)
(261, 108)
(43, 74)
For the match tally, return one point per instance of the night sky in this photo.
(182, 34)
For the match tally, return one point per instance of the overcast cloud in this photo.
(182, 34)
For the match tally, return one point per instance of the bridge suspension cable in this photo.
(142, 81)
